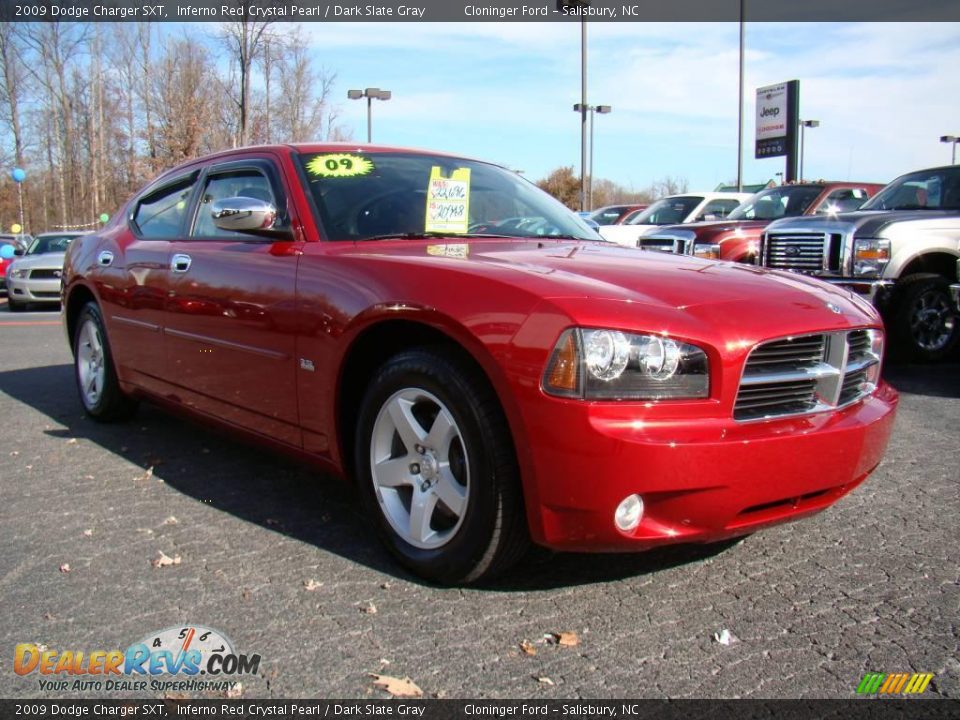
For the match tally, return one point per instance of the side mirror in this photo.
(19, 251)
(243, 214)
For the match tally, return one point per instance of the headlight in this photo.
(599, 364)
(870, 256)
(710, 252)
(19, 273)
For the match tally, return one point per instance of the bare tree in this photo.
(244, 40)
(183, 91)
(304, 94)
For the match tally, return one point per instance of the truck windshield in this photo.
(777, 202)
(395, 195)
(925, 190)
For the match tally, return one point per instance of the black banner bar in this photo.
(865, 708)
(479, 11)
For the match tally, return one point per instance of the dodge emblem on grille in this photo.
(792, 251)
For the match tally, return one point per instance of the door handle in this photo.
(105, 258)
(180, 263)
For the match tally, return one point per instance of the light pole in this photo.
(953, 140)
(593, 110)
(370, 94)
(804, 124)
(740, 102)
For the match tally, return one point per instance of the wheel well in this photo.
(941, 263)
(368, 352)
(75, 303)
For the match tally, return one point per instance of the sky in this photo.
(884, 93)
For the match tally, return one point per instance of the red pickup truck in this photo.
(737, 237)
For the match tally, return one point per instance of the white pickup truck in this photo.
(900, 250)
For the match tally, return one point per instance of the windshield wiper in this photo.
(406, 236)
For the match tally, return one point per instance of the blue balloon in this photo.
(18, 175)
(6, 252)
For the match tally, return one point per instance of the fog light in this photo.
(629, 512)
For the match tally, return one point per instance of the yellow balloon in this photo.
(15, 228)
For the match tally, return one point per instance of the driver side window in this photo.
(241, 183)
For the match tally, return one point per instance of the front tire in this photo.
(924, 323)
(14, 306)
(96, 377)
(437, 468)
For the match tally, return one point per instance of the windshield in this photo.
(50, 244)
(669, 211)
(924, 190)
(777, 202)
(372, 196)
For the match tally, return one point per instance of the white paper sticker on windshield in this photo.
(448, 201)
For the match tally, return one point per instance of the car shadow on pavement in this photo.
(934, 380)
(287, 497)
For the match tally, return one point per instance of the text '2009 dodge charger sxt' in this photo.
(484, 367)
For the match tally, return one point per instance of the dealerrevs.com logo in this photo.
(184, 658)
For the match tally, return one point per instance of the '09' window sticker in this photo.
(339, 165)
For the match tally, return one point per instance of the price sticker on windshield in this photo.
(339, 165)
(448, 201)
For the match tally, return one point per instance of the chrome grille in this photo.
(661, 244)
(807, 373)
(795, 251)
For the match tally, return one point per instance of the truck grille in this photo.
(795, 251)
(661, 244)
(807, 373)
(45, 274)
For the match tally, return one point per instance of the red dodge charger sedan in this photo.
(484, 383)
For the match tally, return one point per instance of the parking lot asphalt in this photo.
(281, 561)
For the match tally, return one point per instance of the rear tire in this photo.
(437, 469)
(924, 324)
(96, 377)
(14, 306)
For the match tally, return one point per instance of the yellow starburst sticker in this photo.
(338, 165)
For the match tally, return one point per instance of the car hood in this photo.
(868, 223)
(46, 261)
(621, 233)
(666, 283)
(715, 226)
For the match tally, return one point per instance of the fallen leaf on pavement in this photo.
(566, 639)
(171, 521)
(165, 560)
(311, 585)
(65, 568)
(87, 533)
(527, 647)
(14, 453)
(544, 680)
(236, 691)
(72, 441)
(370, 609)
(404, 688)
(146, 475)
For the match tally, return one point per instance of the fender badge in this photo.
(833, 308)
(308, 364)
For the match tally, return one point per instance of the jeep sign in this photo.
(777, 114)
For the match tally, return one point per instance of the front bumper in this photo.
(701, 481)
(27, 290)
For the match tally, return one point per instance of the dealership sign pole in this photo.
(778, 113)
